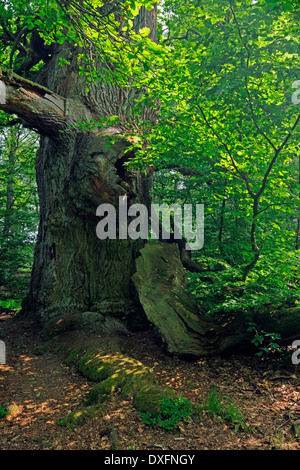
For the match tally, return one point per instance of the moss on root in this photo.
(79, 417)
(149, 398)
(114, 371)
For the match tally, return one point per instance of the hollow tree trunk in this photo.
(74, 271)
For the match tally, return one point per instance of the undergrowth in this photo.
(3, 412)
(222, 407)
(172, 411)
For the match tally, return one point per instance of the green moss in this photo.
(149, 398)
(135, 382)
(117, 372)
(95, 396)
(114, 368)
(94, 368)
(103, 391)
(79, 417)
(110, 385)
(74, 355)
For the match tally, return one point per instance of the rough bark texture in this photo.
(74, 271)
(188, 332)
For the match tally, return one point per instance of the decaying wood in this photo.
(161, 283)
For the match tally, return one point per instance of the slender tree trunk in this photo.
(7, 227)
(298, 220)
(7, 230)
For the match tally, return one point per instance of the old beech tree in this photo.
(77, 277)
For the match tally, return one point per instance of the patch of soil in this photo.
(41, 389)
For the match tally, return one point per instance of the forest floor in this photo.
(40, 390)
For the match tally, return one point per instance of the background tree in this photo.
(228, 117)
(19, 211)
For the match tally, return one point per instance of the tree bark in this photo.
(185, 329)
(73, 270)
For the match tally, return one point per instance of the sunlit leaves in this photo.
(226, 102)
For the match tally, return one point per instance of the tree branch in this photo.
(246, 80)
(42, 109)
(241, 174)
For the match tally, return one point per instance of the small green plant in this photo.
(3, 412)
(277, 441)
(10, 305)
(172, 411)
(222, 407)
(264, 341)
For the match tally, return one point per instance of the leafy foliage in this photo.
(263, 340)
(223, 76)
(18, 213)
(171, 412)
(228, 138)
(222, 407)
(3, 411)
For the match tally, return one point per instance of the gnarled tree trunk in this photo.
(186, 330)
(74, 271)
